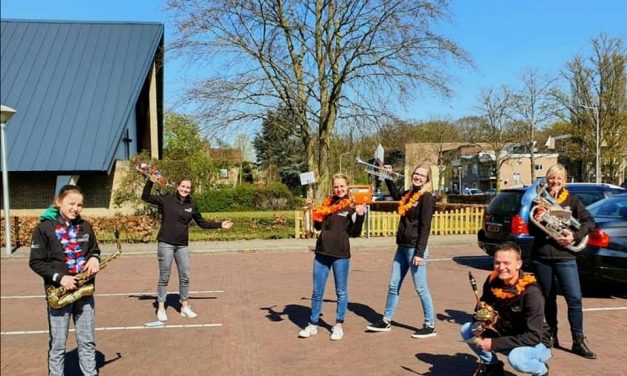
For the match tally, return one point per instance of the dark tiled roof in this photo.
(74, 86)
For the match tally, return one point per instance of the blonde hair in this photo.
(340, 176)
(556, 169)
(426, 187)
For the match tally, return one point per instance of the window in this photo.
(516, 177)
(538, 167)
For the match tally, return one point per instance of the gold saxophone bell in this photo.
(487, 317)
(59, 297)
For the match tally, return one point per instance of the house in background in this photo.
(457, 166)
(88, 96)
(436, 154)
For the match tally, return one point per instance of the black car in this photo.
(506, 218)
(605, 257)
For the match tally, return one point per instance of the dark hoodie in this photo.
(176, 216)
(547, 249)
(415, 226)
(336, 230)
(521, 321)
(47, 256)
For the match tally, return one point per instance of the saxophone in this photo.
(59, 297)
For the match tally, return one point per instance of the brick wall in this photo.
(30, 193)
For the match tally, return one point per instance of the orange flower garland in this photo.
(562, 196)
(326, 209)
(520, 286)
(408, 202)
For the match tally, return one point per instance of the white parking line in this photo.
(107, 328)
(605, 309)
(117, 294)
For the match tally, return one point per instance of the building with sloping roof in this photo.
(88, 96)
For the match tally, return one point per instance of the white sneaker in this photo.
(161, 315)
(337, 334)
(187, 312)
(310, 330)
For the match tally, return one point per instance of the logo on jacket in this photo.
(189, 210)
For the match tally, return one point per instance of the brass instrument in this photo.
(59, 297)
(555, 220)
(486, 317)
(380, 172)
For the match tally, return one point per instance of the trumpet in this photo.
(380, 172)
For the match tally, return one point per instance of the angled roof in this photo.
(74, 86)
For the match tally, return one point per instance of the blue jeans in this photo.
(526, 359)
(401, 264)
(568, 277)
(166, 253)
(322, 266)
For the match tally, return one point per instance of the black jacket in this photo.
(47, 256)
(521, 320)
(545, 248)
(335, 232)
(415, 226)
(176, 216)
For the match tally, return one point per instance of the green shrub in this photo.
(246, 197)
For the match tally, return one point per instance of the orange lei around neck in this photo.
(326, 209)
(408, 202)
(521, 285)
(562, 196)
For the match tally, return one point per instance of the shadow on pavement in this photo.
(298, 314)
(593, 289)
(445, 365)
(71, 366)
(456, 317)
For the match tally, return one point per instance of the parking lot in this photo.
(252, 302)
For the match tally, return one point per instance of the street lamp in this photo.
(5, 115)
(341, 155)
(598, 143)
(459, 175)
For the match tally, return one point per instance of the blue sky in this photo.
(504, 37)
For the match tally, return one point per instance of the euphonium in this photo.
(59, 297)
(555, 219)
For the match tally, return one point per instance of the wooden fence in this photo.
(466, 220)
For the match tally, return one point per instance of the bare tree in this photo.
(535, 106)
(324, 60)
(597, 93)
(498, 130)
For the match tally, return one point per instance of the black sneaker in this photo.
(426, 331)
(380, 326)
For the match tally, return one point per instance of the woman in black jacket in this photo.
(177, 211)
(337, 220)
(551, 258)
(63, 246)
(416, 208)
